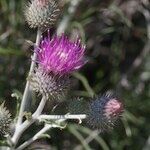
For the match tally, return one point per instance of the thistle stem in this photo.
(57, 117)
(37, 135)
(27, 87)
(21, 128)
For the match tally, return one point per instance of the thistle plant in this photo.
(54, 60)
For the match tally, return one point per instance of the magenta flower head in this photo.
(59, 55)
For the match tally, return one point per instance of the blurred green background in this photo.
(117, 37)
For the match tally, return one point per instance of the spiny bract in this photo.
(49, 85)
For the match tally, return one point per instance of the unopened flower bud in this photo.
(104, 112)
(5, 120)
(41, 13)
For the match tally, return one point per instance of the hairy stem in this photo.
(38, 135)
(57, 117)
(21, 128)
(27, 87)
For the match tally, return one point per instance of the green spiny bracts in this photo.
(49, 85)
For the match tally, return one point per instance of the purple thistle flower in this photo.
(60, 56)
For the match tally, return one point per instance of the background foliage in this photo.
(117, 36)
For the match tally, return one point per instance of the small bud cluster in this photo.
(5, 120)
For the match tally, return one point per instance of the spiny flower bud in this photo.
(104, 112)
(5, 120)
(49, 85)
(41, 13)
